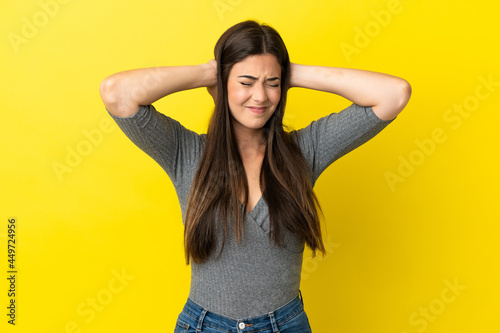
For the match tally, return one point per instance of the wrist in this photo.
(293, 75)
(298, 75)
(315, 77)
(209, 73)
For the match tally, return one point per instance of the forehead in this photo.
(262, 65)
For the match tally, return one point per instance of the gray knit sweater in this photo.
(254, 277)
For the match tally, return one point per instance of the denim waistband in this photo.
(269, 321)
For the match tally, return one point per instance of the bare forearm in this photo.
(123, 92)
(386, 94)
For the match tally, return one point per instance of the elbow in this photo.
(395, 101)
(401, 97)
(107, 91)
(115, 99)
(405, 94)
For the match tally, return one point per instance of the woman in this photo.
(245, 188)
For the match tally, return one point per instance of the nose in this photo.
(259, 93)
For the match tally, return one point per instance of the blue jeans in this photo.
(290, 318)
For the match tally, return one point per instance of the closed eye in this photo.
(269, 85)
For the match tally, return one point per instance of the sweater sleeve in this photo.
(175, 148)
(331, 137)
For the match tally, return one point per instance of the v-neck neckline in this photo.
(251, 212)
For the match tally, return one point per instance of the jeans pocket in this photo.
(296, 324)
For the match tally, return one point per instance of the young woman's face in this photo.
(254, 90)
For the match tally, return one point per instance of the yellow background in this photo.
(395, 243)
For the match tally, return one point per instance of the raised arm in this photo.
(123, 92)
(386, 94)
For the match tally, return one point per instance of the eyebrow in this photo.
(254, 78)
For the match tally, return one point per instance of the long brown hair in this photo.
(220, 178)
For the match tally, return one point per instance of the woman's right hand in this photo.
(212, 88)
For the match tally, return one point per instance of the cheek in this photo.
(275, 97)
(235, 94)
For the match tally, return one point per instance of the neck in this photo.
(250, 141)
